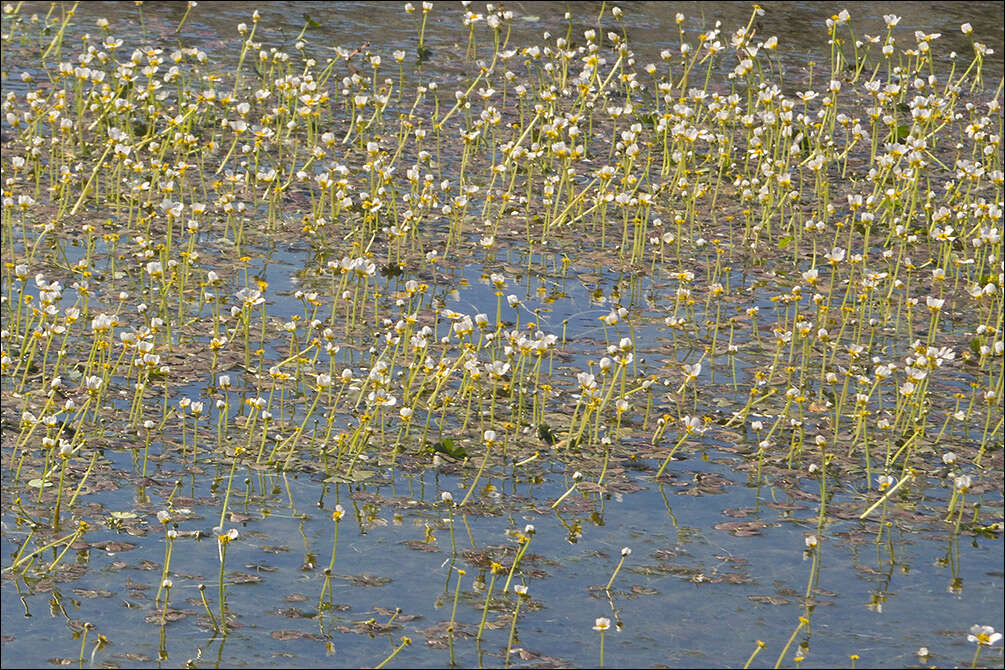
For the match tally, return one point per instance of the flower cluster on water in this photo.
(840, 244)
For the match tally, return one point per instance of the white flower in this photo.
(983, 635)
(693, 424)
(602, 624)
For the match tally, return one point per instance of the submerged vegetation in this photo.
(558, 262)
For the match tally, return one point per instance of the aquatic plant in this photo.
(554, 257)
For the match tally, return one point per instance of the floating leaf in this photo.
(446, 446)
(769, 600)
(784, 242)
(292, 635)
(545, 434)
(639, 590)
(420, 545)
(113, 546)
(742, 528)
(167, 616)
(391, 270)
(368, 580)
(122, 515)
(290, 613)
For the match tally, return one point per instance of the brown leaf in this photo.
(113, 546)
(742, 528)
(769, 600)
(292, 635)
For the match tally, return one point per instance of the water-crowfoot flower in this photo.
(888, 126)
(602, 625)
(962, 483)
(983, 635)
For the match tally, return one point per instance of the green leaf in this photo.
(545, 434)
(311, 23)
(391, 270)
(785, 241)
(122, 515)
(446, 446)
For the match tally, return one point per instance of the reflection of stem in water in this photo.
(666, 502)
(162, 648)
(337, 515)
(814, 570)
(453, 614)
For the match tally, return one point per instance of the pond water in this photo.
(730, 548)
